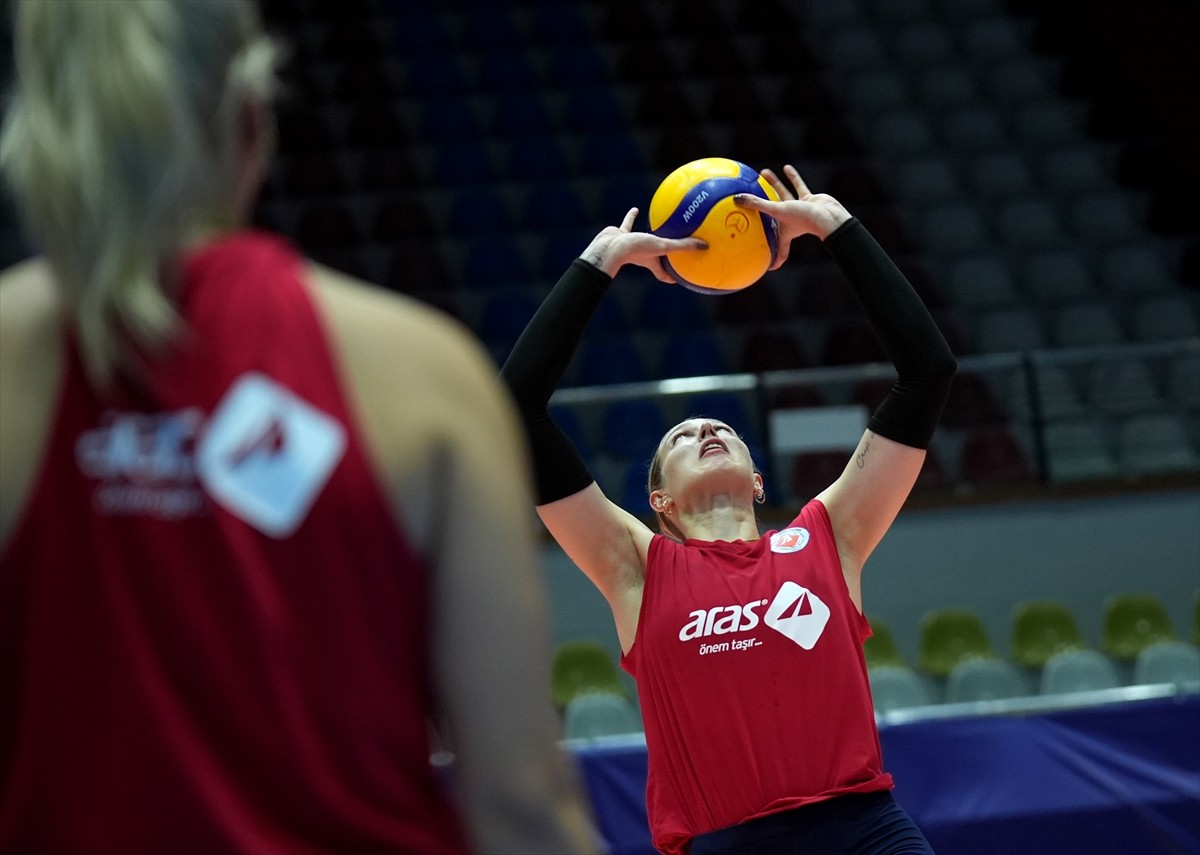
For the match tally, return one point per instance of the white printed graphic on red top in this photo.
(797, 613)
(267, 453)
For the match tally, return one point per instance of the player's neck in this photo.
(720, 520)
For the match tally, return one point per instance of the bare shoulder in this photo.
(394, 340)
(30, 363)
(426, 393)
(28, 303)
(29, 319)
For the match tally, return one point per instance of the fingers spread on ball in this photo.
(797, 182)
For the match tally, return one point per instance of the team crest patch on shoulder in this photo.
(789, 540)
(267, 453)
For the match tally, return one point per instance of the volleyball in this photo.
(696, 200)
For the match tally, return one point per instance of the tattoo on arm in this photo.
(860, 458)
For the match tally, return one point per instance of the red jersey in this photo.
(752, 680)
(213, 636)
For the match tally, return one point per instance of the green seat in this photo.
(1196, 619)
(1042, 628)
(880, 649)
(952, 636)
(583, 666)
(1133, 622)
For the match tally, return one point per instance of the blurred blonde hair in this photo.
(121, 139)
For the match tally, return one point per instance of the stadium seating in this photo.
(984, 680)
(896, 687)
(1042, 629)
(880, 649)
(949, 637)
(596, 714)
(581, 666)
(1133, 622)
(1078, 671)
(1168, 662)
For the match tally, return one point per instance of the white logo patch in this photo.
(267, 453)
(789, 540)
(797, 613)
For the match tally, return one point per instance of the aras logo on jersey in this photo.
(795, 613)
(721, 620)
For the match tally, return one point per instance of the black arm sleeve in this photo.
(925, 366)
(537, 364)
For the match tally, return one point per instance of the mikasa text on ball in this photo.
(696, 200)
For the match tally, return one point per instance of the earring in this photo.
(760, 496)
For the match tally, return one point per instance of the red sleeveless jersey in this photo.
(752, 681)
(213, 636)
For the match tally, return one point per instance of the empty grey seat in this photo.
(854, 47)
(1075, 168)
(1078, 450)
(896, 12)
(993, 39)
(1038, 124)
(946, 86)
(874, 90)
(1183, 380)
(984, 680)
(835, 15)
(900, 133)
(1168, 662)
(1154, 444)
(1012, 329)
(1123, 388)
(973, 129)
(953, 229)
(1165, 317)
(1028, 223)
(981, 280)
(1058, 394)
(895, 687)
(927, 180)
(1134, 268)
(962, 11)
(594, 714)
(1078, 671)
(1058, 275)
(923, 43)
(1102, 217)
(1019, 78)
(1091, 323)
(1000, 175)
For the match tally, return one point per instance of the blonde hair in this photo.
(121, 139)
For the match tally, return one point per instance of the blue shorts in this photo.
(859, 823)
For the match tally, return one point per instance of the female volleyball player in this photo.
(747, 649)
(242, 563)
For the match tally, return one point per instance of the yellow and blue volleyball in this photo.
(696, 200)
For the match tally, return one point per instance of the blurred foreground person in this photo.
(243, 566)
